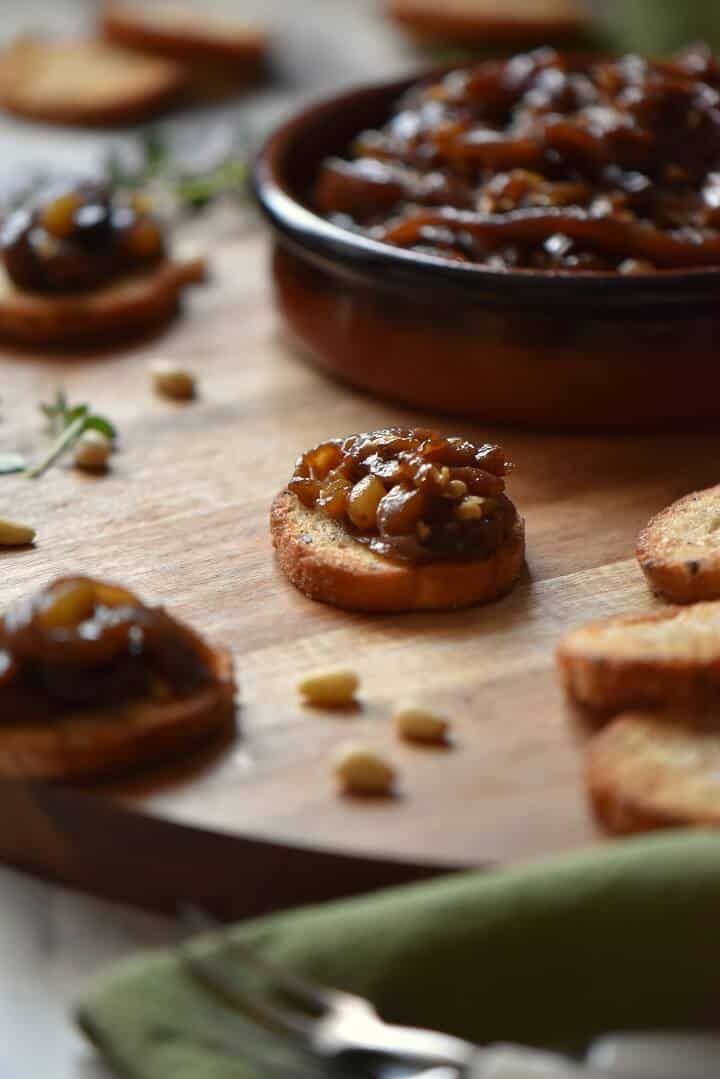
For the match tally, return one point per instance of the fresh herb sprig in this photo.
(156, 164)
(68, 422)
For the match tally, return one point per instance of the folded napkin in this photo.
(658, 27)
(620, 936)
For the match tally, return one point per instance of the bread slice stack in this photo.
(657, 678)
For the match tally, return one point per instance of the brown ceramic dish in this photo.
(521, 346)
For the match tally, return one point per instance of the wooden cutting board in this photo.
(182, 518)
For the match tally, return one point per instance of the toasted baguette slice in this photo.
(327, 564)
(130, 306)
(668, 658)
(679, 550)
(188, 33)
(643, 772)
(97, 744)
(481, 22)
(86, 83)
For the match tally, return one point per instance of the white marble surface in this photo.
(51, 942)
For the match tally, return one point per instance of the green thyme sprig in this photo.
(68, 423)
(155, 164)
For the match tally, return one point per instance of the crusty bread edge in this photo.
(116, 311)
(132, 108)
(389, 587)
(690, 581)
(482, 27)
(104, 744)
(619, 812)
(245, 50)
(608, 686)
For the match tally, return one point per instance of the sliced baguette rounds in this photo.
(325, 563)
(188, 33)
(679, 550)
(642, 773)
(86, 83)
(130, 306)
(482, 22)
(116, 739)
(669, 658)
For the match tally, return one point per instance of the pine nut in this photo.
(361, 769)
(363, 502)
(472, 508)
(58, 216)
(417, 724)
(172, 381)
(15, 535)
(456, 489)
(92, 452)
(329, 689)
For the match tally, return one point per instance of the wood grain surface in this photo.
(183, 519)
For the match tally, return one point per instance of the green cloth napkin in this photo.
(658, 27)
(625, 935)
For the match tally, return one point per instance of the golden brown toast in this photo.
(679, 550)
(479, 22)
(643, 772)
(86, 83)
(669, 658)
(186, 32)
(323, 560)
(129, 306)
(85, 745)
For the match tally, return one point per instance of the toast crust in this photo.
(492, 21)
(643, 773)
(679, 549)
(94, 745)
(186, 34)
(670, 658)
(325, 563)
(133, 305)
(86, 83)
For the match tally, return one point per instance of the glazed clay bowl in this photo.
(523, 347)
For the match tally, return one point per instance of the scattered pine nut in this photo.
(15, 535)
(92, 452)
(361, 769)
(170, 380)
(417, 724)
(328, 689)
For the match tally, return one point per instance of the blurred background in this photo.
(319, 45)
(51, 941)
